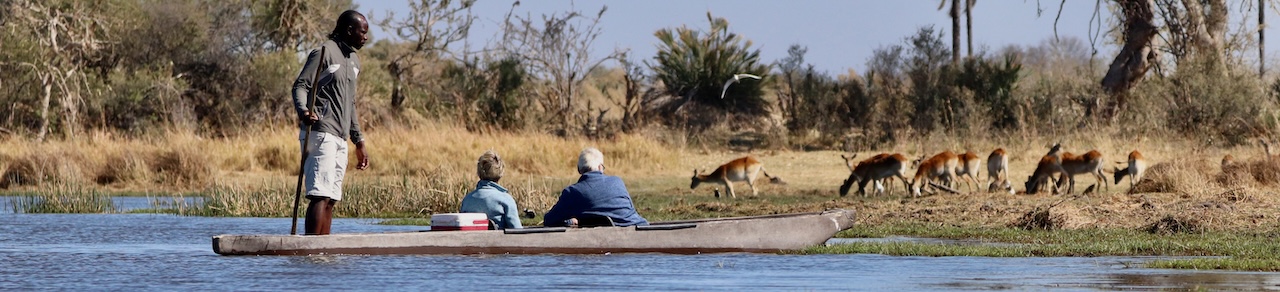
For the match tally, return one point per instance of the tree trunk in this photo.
(397, 89)
(1131, 62)
(1207, 30)
(955, 32)
(968, 25)
(46, 80)
(1262, 44)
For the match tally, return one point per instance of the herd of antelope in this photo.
(943, 170)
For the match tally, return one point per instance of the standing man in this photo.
(334, 120)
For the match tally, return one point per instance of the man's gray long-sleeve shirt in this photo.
(336, 98)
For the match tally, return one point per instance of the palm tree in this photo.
(968, 24)
(954, 13)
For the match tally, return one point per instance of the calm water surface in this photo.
(167, 252)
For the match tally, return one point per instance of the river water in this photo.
(166, 252)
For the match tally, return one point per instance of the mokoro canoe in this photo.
(768, 233)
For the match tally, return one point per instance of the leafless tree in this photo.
(638, 95)
(557, 49)
(69, 35)
(429, 27)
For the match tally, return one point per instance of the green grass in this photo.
(1232, 251)
(62, 199)
(1232, 263)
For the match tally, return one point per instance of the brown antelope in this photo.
(1045, 169)
(882, 167)
(1090, 163)
(968, 168)
(741, 169)
(942, 165)
(998, 171)
(1137, 165)
(1050, 164)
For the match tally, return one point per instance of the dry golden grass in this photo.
(427, 169)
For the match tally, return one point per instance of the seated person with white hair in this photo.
(595, 194)
(489, 197)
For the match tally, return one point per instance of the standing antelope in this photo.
(968, 168)
(741, 169)
(1137, 165)
(942, 165)
(875, 169)
(998, 171)
(1090, 162)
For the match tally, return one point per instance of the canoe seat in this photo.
(593, 220)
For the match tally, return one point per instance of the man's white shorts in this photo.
(326, 164)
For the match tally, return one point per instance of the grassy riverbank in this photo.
(1221, 250)
(1186, 205)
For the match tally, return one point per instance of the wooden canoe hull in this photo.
(770, 233)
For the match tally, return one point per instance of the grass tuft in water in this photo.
(63, 199)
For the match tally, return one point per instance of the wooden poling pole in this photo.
(306, 139)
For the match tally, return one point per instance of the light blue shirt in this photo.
(493, 200)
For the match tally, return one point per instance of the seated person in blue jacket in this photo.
(595, 193)
(489, 197)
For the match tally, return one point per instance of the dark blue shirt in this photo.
(596, 194)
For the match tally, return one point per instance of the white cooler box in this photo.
(459, 221)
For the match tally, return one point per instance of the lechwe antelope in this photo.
(1090, 163)
(1045, 169)
(882, 167)
(942, 165)
(1050, 164)
(1137, 165)
(968, 168)
(998, 171)
(741, 169)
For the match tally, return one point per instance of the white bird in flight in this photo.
(735, 78)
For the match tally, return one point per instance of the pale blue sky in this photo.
(840, 34)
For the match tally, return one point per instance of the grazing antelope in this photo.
(741, 169)
(1050, 164)
(875, 169)
(969, 168)
(1090, 163)
(1137, 165)
(1045, 169)
(880, 184)
(998, 171)
(942, 165)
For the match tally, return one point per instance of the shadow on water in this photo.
(163, 251)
